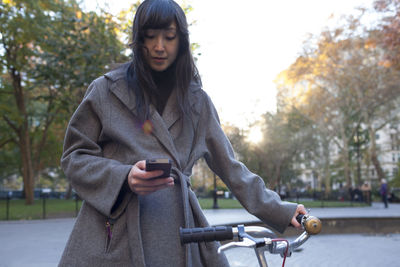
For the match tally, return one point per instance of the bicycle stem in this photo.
(280, 247)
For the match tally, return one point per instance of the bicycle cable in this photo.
(286, 250)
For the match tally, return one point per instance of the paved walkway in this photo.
(376, 210)
(41, 242)
(350, 250)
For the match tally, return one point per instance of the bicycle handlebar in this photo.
(216, 233)
(260, 238)
(311, 224)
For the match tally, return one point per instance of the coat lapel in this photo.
(161, 125)
(171, 113)
(161, 132)
(119, 87)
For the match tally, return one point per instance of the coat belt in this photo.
(184, 181)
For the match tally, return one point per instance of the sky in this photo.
(245, 44)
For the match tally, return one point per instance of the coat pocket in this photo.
(109, 225)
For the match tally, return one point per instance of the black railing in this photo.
(10, 199)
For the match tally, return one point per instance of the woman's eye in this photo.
(171, 37)
(149, 34)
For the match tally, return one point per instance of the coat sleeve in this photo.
(98, 180)
(247, 187)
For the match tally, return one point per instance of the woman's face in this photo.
(161, 47)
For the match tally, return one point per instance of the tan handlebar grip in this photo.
(313, 225)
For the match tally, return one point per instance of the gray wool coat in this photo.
(116, 227)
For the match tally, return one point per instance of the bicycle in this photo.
(259, 238)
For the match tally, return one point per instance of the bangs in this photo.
(159, 15)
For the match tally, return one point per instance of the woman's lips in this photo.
(159, 60)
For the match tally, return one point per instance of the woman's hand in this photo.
(299, 210)
(140, 182)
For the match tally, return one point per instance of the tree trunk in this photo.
(358, 180)
(373, 153)
(24, 139)
(27, 169)
(368, 164)
(326, 172)
(277, 178)
(345, 158)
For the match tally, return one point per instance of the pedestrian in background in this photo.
(384, 192)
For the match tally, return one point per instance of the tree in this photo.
(284, 136)
(50, 51)
(390, 29)
(344, 85)
(313, 84)
(396, 181)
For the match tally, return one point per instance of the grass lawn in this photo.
(59, 208)
(207, 203)
(55, 208)
(332, 204)
(223, 203)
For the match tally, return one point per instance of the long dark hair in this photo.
(159, 14)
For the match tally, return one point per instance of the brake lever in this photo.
(245, 243)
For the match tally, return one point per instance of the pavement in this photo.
(349, 250)
(41, 242)
(237, 216)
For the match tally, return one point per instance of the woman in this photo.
(152, 107)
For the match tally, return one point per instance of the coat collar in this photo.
(119, 88)
(161, 124)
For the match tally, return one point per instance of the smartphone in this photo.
(159, 164)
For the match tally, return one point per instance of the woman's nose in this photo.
(159, 45)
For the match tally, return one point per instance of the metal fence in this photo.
(43, 196)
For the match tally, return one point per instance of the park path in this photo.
(39, 243)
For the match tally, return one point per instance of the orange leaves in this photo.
(385, 63)
(370, 44)
(78, 14)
